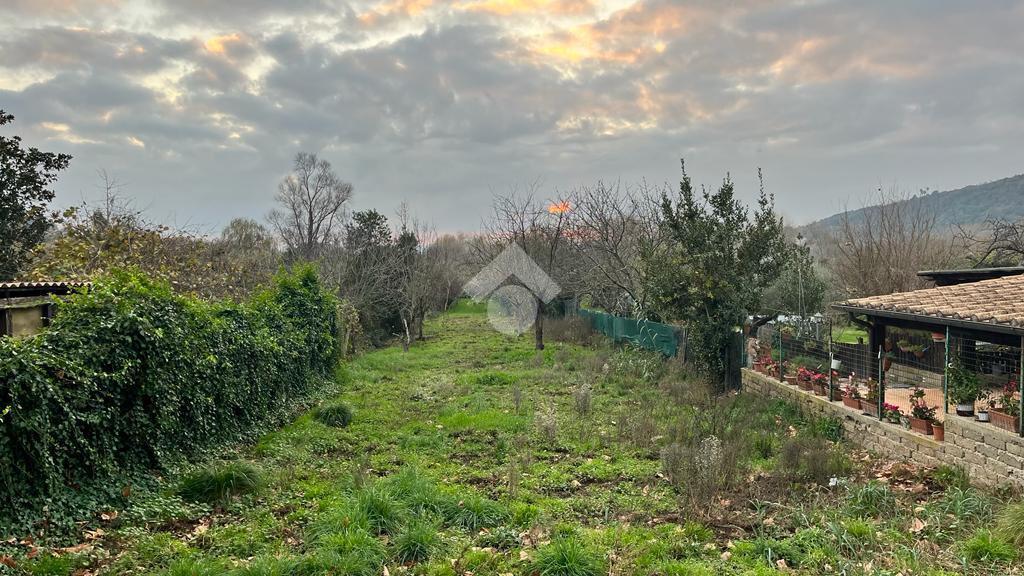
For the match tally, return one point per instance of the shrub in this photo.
(567, 556)
(983, 547)
(337, 415)
(417, 542)
(1010, 524)
(130, 377)
(218, 483)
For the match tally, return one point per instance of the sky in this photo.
(198, 106)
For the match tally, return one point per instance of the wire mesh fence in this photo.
(909, 377)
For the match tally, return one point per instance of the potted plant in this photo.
(938, 336)
(791, 375)
(892, 413)
(1007, 415)
(869, 404)
(851, 395)
(819, 383)
(921, 414)
(964, 389)
(983, 415)
(834, 393)
(938, 431)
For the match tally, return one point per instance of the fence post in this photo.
(945, 377)
(881, 376)
(831, 359)
(1020, 391)
(782, 368)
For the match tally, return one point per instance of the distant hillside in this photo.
(965, 206)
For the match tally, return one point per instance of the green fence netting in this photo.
(642, 333)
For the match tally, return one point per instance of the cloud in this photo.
(200, 105)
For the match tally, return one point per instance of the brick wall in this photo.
(990, 455)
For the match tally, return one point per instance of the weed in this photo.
(986, 548)
(337, 415)
(965, 504)
(546, 420)
(417, 542)
(568, 556)
(809, 459)
(1010, 524)
(517, 397)
(499, 538)
(494, 379)
(872, 500)
(765, 445)
(582, 396)
(829, 428)
(946, 477)
(217, 483)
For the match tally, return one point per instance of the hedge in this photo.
(131, 377)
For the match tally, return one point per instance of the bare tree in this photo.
(998, 243)
(613, 230)
(312, 200)
(538, 228)
(880, 249)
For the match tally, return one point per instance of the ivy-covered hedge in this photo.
(131, 377)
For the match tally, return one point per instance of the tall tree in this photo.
(312, 200)
(25, 177)
(717, 263)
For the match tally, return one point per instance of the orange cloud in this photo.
(541, 7)
(394, 8)
(218, 44)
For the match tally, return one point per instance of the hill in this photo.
(967, 206)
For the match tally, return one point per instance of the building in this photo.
(27, 307)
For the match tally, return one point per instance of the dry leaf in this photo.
(917, 526)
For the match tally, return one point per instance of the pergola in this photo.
(976, 305)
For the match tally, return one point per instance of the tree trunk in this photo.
(538, 326)
(405, 343)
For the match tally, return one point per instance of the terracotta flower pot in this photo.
(1004, 421)
(820, 389)
(791, 379)
(938, 431)
(805, 385)
(870, 407)
(920, 425)
(851, 402)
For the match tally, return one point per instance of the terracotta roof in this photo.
(996, 302)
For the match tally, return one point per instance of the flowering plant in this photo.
(892, 413)
(1008, 403)
(919, 407)
(851, 390)
(819, 378)
(804, 374)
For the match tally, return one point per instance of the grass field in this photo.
(472, 454)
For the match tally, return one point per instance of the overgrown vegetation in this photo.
(131, 377)
(442, 474)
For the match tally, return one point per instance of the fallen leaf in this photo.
(917, 526)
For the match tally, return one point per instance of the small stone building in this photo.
(26, 307)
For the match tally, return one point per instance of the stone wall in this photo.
(991, 456)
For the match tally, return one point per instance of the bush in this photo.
(337, 415)
(1010, 524)
(131, 377)
(568, 556)
(947, 477)
(218, 483)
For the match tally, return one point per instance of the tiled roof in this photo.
(999, 301)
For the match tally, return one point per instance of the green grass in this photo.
(469, 455)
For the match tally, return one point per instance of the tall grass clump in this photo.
(218, 483)
(383, 511)
(986, 548)
(1010, 524)
(567, 556)
(871, 500)
(418, 541)
(338, 415)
